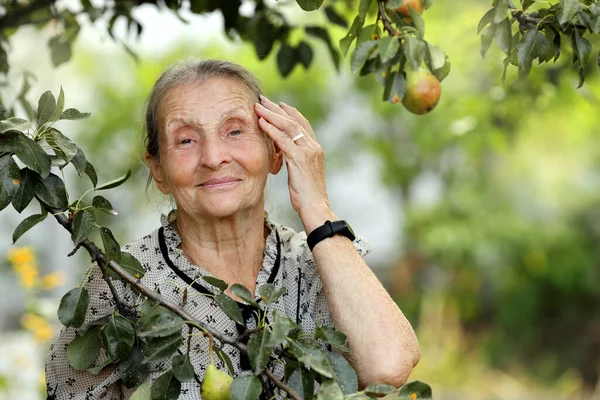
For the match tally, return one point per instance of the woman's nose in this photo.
(214, 152)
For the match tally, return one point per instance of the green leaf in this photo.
(225, 358)
(487, 18)
(487, 35)
(60, 105)
(52, 192)
(83, 350)
(363, 8)
(33, 155)
(501, 11)
(304, 54)
(98, 368)
(25, 189)
(131, 369)
(165, 387)
(414, 51)
(158, 322)
(527, 4)
(280, 328)
(162, 348)
(418, 22)
(84, 224)
(416, 390)
(313, 357)
(330, 390)
(218, 283)
(379, 389)
(143, 392)
(286, 59)
(115, 182)
(73, 306)
(46, 107)
(343, 372)
(259, 350)
(334, 17)
(60, 50)
(14, 124)
(332, 336)
(229, 307)
(26, 225)
(73, 114)
(525, 53)
(269, 294)
(102, 204)
(353, 32)
(243, 293)
(387, 48)
(323, 34)
(182, 368)
(309, 5)
(247, 387)
(118, 336)
(437, 61)
(595, 18)
(62, 145)
(111, 246)
(302, 382)
(503, 36)
(10, 178)
(132, 265)
(568, 9)
(361, 53)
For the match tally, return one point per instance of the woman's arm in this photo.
(384, 346)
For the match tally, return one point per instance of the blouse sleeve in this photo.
(64, 382)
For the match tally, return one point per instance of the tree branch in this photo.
(282, 385)
(386, 22)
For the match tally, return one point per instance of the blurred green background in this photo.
(484, 214)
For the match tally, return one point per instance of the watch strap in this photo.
(327, 230)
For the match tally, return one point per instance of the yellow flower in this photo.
(28, 274)
(42, 329)
(53, 280)
(21, 255)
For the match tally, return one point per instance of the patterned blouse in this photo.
(288, 263)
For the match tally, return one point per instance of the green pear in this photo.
(423, 91)
(215, 385)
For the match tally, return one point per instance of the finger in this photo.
(269, 105)
(297, 115)
(283, 123)
(280, 138)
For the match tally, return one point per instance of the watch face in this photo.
(350, 229)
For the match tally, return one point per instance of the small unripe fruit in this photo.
(416, 4)
(423, 91)
(215, 385)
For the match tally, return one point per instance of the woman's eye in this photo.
(235, 132)
(186, 141)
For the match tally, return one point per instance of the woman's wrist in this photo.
(316, 216)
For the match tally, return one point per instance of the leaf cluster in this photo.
(538, 31)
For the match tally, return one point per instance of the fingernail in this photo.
(263, 98)
(283, 104)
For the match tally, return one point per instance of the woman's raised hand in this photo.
(304, 157)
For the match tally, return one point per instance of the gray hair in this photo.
(191, 70)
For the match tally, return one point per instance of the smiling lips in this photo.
(215, 183)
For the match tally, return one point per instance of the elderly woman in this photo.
(212, 140)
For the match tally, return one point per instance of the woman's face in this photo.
(213, 158)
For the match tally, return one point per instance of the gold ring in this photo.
(298, 137)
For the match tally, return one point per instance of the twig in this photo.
(282, 385)
(386, 22)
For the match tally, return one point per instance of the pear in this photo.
(416, 4)
(215, 385)
(423, 91)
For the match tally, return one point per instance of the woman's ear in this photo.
(276, 160)
(156, 172)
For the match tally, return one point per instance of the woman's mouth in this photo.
(216, 183)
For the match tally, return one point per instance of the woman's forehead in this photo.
(228, 97)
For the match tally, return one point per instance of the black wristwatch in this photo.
(327, 230)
